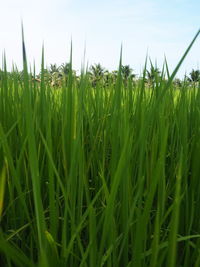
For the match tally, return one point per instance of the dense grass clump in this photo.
(99, 176)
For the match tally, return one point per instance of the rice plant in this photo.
(94, 175)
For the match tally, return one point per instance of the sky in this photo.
(98, 28)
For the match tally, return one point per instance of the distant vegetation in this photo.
(56, 76)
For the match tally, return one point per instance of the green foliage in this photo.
(99, 175)
(194, 76)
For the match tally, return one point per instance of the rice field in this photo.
(99, 176)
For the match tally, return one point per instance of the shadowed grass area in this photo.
(99, 176)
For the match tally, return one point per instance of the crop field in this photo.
(99, 175)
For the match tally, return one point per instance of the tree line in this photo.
(55, 75)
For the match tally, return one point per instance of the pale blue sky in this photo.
(161, 27)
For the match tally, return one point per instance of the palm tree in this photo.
(153, 75)
(97, 70)
(53, 68)
(194, 76)
(127, 73)
(108, 78)
(57, 74)
(96, 73)
(65, 68)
